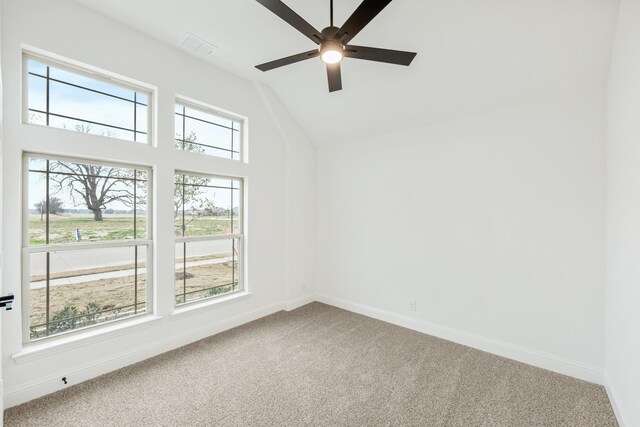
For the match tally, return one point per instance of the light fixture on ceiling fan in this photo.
(333, 41)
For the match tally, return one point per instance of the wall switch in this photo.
(412, 305)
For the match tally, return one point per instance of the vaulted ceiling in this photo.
(473, 55)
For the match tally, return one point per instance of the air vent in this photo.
(197, 45)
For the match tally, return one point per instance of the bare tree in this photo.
(189, 143)
(94, 186)
(187, 189)
(190, 191)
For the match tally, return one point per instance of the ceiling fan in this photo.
(333, 41)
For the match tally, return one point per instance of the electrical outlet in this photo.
(412, 305)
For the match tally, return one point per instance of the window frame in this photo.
(93, 73)
(27, 250)
(222, 113)
(241, 236)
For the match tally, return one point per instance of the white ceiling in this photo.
(473, 55)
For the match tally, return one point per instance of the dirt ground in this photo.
(120, 291)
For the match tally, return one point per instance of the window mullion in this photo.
(48, 255)
(48, 81)
(184, 244)
(135, 118)
(135, 233)
(184, 125)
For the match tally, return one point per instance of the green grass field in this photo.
(62, 228)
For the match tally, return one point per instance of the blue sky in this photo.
(84, 104)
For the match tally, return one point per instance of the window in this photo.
(64, 97)
(207, 131)
(86, 237)
(87, 248)
(209, 236)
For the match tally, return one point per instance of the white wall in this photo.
(1, 145)
(299, 199)
(65, 28)
(623, 218)
(493, 224)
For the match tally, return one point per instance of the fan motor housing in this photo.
(329, 32)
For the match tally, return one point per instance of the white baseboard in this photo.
(611, 393)
(521, 354)
(299, 302)
(28, 391)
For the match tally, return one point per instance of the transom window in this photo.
(209, 236)
(86, 247)
(64, 97)
(207, 131)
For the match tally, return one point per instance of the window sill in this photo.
(39, 350)
(197, 306)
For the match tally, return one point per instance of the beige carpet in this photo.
(322, 366)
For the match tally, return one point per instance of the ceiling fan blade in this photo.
(293, 19)
(367, 10)
(398, 57)
(335, 77)
(288, 60)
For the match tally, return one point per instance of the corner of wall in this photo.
(612, 395)
(622, 375)
(299, 201)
